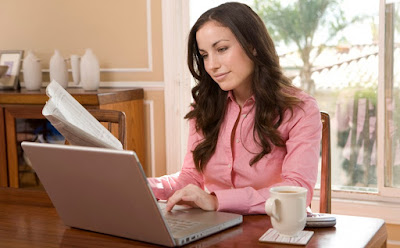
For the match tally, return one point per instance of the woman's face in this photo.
(224, 58)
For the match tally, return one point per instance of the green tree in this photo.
(297, 22)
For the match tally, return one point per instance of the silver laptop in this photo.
(106, 191)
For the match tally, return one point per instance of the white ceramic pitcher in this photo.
(58, 69)
(89, 71)
(32, 71)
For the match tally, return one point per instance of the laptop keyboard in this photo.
(177, 225)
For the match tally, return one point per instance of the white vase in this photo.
(32, 71)
(58, 69)
(90, 71)
(75, 67)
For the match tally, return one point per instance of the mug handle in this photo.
(270, 208)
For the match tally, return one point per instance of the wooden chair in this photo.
(112, 116)
(325, 190)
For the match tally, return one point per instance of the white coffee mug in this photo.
(287, 209)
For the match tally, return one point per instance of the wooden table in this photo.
(28, 219)
(23, 104)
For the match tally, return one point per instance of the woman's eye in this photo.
(222, 49)
(204, 56)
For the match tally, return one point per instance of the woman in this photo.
(250, 128)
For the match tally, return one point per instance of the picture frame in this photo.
(12, 59)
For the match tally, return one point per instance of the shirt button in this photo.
(237, 140)
(229, 165)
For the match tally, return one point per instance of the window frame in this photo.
(385, 73)
(177, 90)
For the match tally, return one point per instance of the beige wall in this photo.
(117, 31)
(155, 132)
(125, 35)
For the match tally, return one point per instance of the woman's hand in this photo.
(193, 196)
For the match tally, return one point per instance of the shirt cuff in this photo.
(242, 201)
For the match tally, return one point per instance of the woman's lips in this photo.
(220, 76)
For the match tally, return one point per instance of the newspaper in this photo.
(74, 122)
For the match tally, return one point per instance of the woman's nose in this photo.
(213, 63)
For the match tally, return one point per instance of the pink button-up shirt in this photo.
(242, 188)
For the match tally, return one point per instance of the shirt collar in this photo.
(232, 97)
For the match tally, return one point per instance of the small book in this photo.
(272, 236)
(74, 122)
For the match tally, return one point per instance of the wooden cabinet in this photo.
(22, 104)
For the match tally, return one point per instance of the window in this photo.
(333, 55)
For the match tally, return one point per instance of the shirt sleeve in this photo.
(299, 167)
(165, 186)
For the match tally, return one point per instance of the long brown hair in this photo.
(270, 87)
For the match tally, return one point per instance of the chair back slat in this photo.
(112, 116)
(325, 191)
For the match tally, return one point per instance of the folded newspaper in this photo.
(74, 122)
